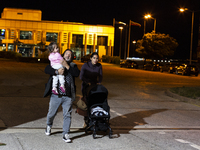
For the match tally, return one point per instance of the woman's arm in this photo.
(82, 77)
(100, 74)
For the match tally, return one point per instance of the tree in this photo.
(156, 45)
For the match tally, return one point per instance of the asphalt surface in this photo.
(22, 126)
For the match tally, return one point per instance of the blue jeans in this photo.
(54, 104)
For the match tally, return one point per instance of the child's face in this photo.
(56, 49)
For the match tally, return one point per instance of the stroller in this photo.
(98, 110)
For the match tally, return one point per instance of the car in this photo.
(186, 69)
(129, 64)
(153, 66)
(85, 58)
(169, 67)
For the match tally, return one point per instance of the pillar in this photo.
(69, 41)
(33, 54)
(85, 46)
(7, 37)
(109, 48)
(60, 42)
(94, 41)
(6, 46)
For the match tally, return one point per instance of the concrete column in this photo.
(109, 48)
(33, 54)
(85, 46)
(68, 44)
(7, 34)
(34, 37)
(94, 41)
(6, 46)
(60, 42)
(7, 37)
(16, 37)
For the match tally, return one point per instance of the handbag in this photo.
(80, 103)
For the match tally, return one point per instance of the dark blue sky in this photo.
(169, 19)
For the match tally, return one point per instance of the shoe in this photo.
(66, 138)
(48, 130)
(54, 91)
(84, 125)
(62, 88)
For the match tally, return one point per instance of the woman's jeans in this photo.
(55, 102)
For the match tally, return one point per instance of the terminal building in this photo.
(24, 31)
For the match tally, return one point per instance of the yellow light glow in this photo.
(182, 9)
(120, 28)
(147, 16)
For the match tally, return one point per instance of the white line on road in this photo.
(118, 113)
(187, 142)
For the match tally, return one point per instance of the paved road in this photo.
(142, 116)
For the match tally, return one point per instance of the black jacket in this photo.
(73, 70)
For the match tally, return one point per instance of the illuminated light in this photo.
(4, 45)
(120, 28)
(134, 58)
(147, 16)
(182, 9)
(134, 42)
(122, 23)
(38, 59)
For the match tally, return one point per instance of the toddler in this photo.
(55, 59)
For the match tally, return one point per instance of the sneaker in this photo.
(62, 88)
(48, 130)
(54, 91)
(66, 138)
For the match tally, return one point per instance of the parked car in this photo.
(186, 69)
(129, 64)
(153, 66)
(85, 58)
(169, 67)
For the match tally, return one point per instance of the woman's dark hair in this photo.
(52, 46)
(72, 57)
(94, 53)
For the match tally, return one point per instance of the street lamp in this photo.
(121, 28)
(192, 27)
(148, 16)
(134, 42)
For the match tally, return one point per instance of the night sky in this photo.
(169, 19)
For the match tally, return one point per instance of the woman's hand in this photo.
(65, 64)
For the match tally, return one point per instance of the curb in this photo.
(182, 98)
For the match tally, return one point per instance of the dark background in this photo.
(169, 19)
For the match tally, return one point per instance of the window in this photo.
(102, 40)
(12, 34)
(51, 37)
(26, 35)
(2, 34)
(77, 40)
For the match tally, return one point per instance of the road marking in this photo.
(118, 113)
(187, 142)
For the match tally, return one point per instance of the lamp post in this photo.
(121, 28)
(192, 27)
(148, 16)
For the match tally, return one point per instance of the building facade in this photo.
(24, 31)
